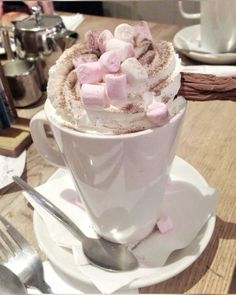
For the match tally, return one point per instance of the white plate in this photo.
(191, 35)
(178, 261)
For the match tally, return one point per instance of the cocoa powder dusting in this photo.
(132, 108)
(147, 58)
(158, 87)
(164, 53)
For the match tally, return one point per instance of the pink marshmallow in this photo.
(125, 33)
(90, 72)
(84, 59)
(142, 32)
(165, 224)
(91, 39)
(105, 36)
(122, 48)
(110, 61)
(157, 113)
(116, 86)
(94, 95)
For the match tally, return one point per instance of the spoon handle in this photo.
(50, 208)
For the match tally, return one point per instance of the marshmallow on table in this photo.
(125, 33)
(157, 113)
(116, 86)
(104, 36)
(134, 71)
(122, 48)
(142, 32)
(110, 61)
(164, 224)
(94, 95)
(90, 72)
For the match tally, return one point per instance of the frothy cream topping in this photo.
(114, 86)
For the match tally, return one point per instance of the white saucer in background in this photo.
(189, 38)
(179, 260)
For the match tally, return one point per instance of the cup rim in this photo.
(71, 131)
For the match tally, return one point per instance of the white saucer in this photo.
(191, 35)
(178, 261)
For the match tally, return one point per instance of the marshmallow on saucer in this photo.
(116, 86)
(122, 48)
(125, 33)
(165, 224)
(157, 112)
(90, 72)
(94, 95)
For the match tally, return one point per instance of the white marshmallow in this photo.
(122, 48)
(134, 71)
(125, 33)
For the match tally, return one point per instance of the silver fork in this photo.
(18, 255)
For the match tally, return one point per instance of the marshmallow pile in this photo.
(119, 82)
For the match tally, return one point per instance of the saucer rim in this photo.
(202, 240)
(215, 58)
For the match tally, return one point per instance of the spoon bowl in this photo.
(10, 283)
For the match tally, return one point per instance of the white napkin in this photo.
(11, 166)
(60, 286)
(72, 21)
(57, 284)
(213, 70)
(196, 202)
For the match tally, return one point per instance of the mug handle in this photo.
(186, 14)
(39, 136)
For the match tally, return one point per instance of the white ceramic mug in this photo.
(121, 178)
(218, 24)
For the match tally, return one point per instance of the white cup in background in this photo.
(217, 24)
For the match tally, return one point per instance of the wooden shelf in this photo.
(15, 139)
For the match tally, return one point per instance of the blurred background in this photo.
(165, 11)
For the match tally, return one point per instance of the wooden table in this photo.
(208, 142)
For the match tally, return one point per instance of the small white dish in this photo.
(179, 260)
(189, 39)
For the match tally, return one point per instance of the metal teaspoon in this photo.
(10, 283)
(104, 254)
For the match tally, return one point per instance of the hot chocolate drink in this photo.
(116, 83)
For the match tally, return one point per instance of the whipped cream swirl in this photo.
(116, 83)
